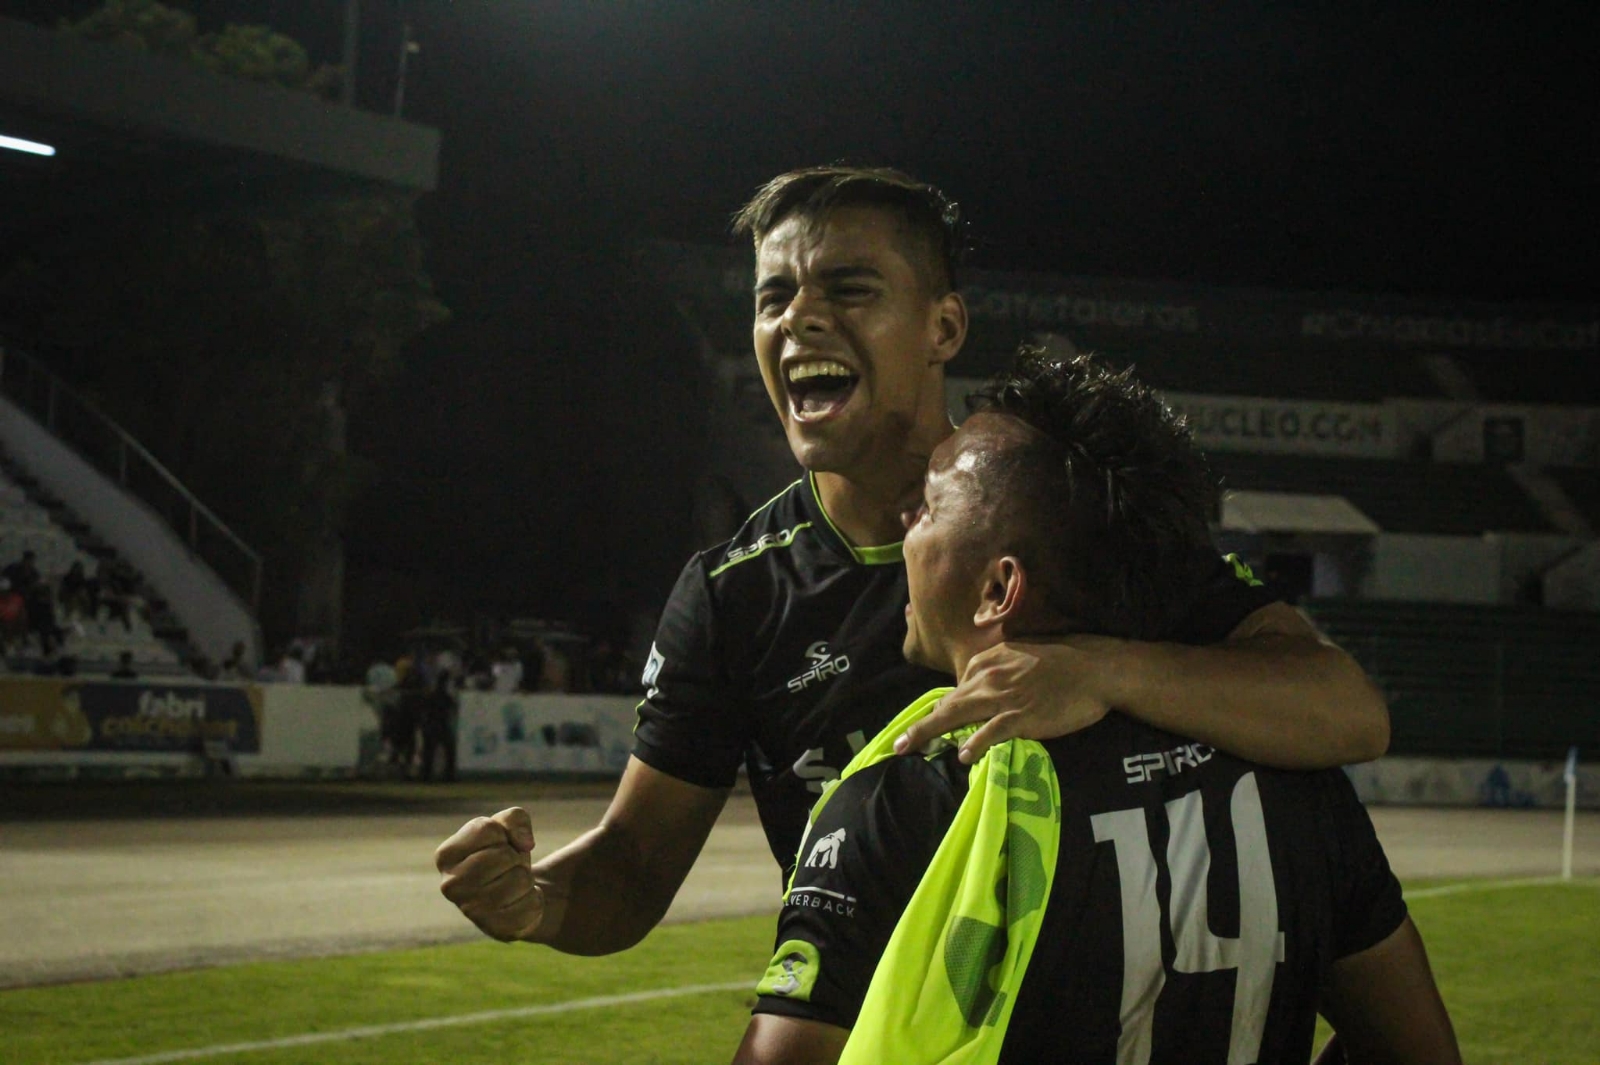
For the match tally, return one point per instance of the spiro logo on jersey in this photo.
(823, 667)
(1144, 767)
(652, 670)
(782, 538)
(825, 853)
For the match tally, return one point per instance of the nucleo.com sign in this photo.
(1235, 423)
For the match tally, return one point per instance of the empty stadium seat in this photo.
(1470, 680)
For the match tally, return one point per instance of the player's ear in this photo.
(949, 325)
(1005, 588)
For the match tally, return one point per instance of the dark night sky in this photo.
(1436, 150)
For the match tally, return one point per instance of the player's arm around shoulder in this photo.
(1274, 692)
(599, 894)
(1278, 692)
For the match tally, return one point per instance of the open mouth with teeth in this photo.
(818, 389)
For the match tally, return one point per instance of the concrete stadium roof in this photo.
(133, 130)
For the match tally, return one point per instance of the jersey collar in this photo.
(881, 555)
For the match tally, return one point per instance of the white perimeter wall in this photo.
(1471, 782)
(319, 729)
(308, 728)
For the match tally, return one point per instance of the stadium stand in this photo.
(1494, 681)
(1582, 486)
(1401, 496)
(1545, 378)
(1364, 377)
(28, 522)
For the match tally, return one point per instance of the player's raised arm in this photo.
(1273, 692)
(599, 894)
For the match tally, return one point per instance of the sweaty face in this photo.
(846, 333)
(944, 547)
(951, 538)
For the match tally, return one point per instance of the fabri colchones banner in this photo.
(43, 715)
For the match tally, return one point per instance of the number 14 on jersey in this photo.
(1253, 955)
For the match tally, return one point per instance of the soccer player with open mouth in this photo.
(779, 650)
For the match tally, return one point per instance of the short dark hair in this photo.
(1106, 503)
(929, 215)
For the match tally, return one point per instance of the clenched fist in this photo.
(488, 873)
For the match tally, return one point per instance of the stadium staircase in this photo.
(68, 459)
(31, 519)
(1470, 680)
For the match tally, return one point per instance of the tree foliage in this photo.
(226, 339)
(256, 53)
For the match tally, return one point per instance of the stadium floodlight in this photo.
(17, 144)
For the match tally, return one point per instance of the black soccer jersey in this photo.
(782, 649)
(1198, 901)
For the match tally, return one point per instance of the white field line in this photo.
(371, 1031)
(489, 1016)
(1497, 885)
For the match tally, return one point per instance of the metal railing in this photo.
(114, 452)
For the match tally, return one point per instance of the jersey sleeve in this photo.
(1370, 903)
(860, 863)
(692, 721)
(1231, 593)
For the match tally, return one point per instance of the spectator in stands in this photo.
(313, 664)
(23, 574)
(507, 671)
(556, 673)
(13, 616)
(125, 670)
(37, 597)
(120, 594)
(479, 673)
(609, 670)
(204, 668)
(78, 593)
(379, 690)
(402, 738)
(447, 660)
(439, 726)
(237, 665)
(292, 667)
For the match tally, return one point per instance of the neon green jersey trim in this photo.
(881, 555)
(774, 499)
(1242, 571)
(761, 547)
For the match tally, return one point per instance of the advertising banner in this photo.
(1303, 427)
(1399, 781)
(51, 714)
(499, 733)
(712, 289)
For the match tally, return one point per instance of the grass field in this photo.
(1516, 963)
